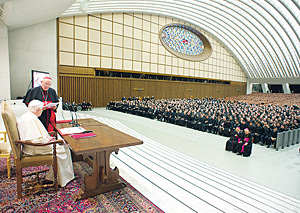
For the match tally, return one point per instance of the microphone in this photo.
(76, 121)
(67, 107)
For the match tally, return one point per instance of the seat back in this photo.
(293, 136)
(10, 123)
(279, 141)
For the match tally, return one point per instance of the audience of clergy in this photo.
(84, 106)
(219, 116)
(244, 144)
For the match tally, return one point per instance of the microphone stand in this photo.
(76, 121)
(67, 106)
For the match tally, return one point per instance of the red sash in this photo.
(51, 118)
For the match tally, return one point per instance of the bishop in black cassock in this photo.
(47, 95)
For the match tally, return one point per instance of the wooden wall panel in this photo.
(106, 90)
(101, 90)
(179, 92)
(138, 87)
(152, 88)
(220, 90)
(126, 89)
(117, 88)
(205, 90)
(76, 70)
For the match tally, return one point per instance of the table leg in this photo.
(103, 179)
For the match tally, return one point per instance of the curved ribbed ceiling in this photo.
(263, 35)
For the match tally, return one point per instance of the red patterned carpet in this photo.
(127, 199)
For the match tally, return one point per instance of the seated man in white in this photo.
(31, 129)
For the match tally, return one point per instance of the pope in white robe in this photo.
(32, 130)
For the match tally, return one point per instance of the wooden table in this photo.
(96, 151)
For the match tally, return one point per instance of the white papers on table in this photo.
(71, 130)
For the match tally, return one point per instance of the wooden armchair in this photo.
(21, 160)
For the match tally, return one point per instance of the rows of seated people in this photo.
(268, 98)
(84, 106)
(217, 116)
(138, 98)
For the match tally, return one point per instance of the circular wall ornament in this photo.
(185, 42)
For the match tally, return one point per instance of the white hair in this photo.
(34, 105)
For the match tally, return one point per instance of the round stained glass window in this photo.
(185, 42)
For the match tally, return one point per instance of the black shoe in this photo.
(239, 153)
(268, 146)
(44, 182)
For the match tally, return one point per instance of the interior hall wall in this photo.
(4, 63)
(130, 42)
(32, 48)
(102, 90)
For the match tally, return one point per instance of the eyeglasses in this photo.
(46, 84)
